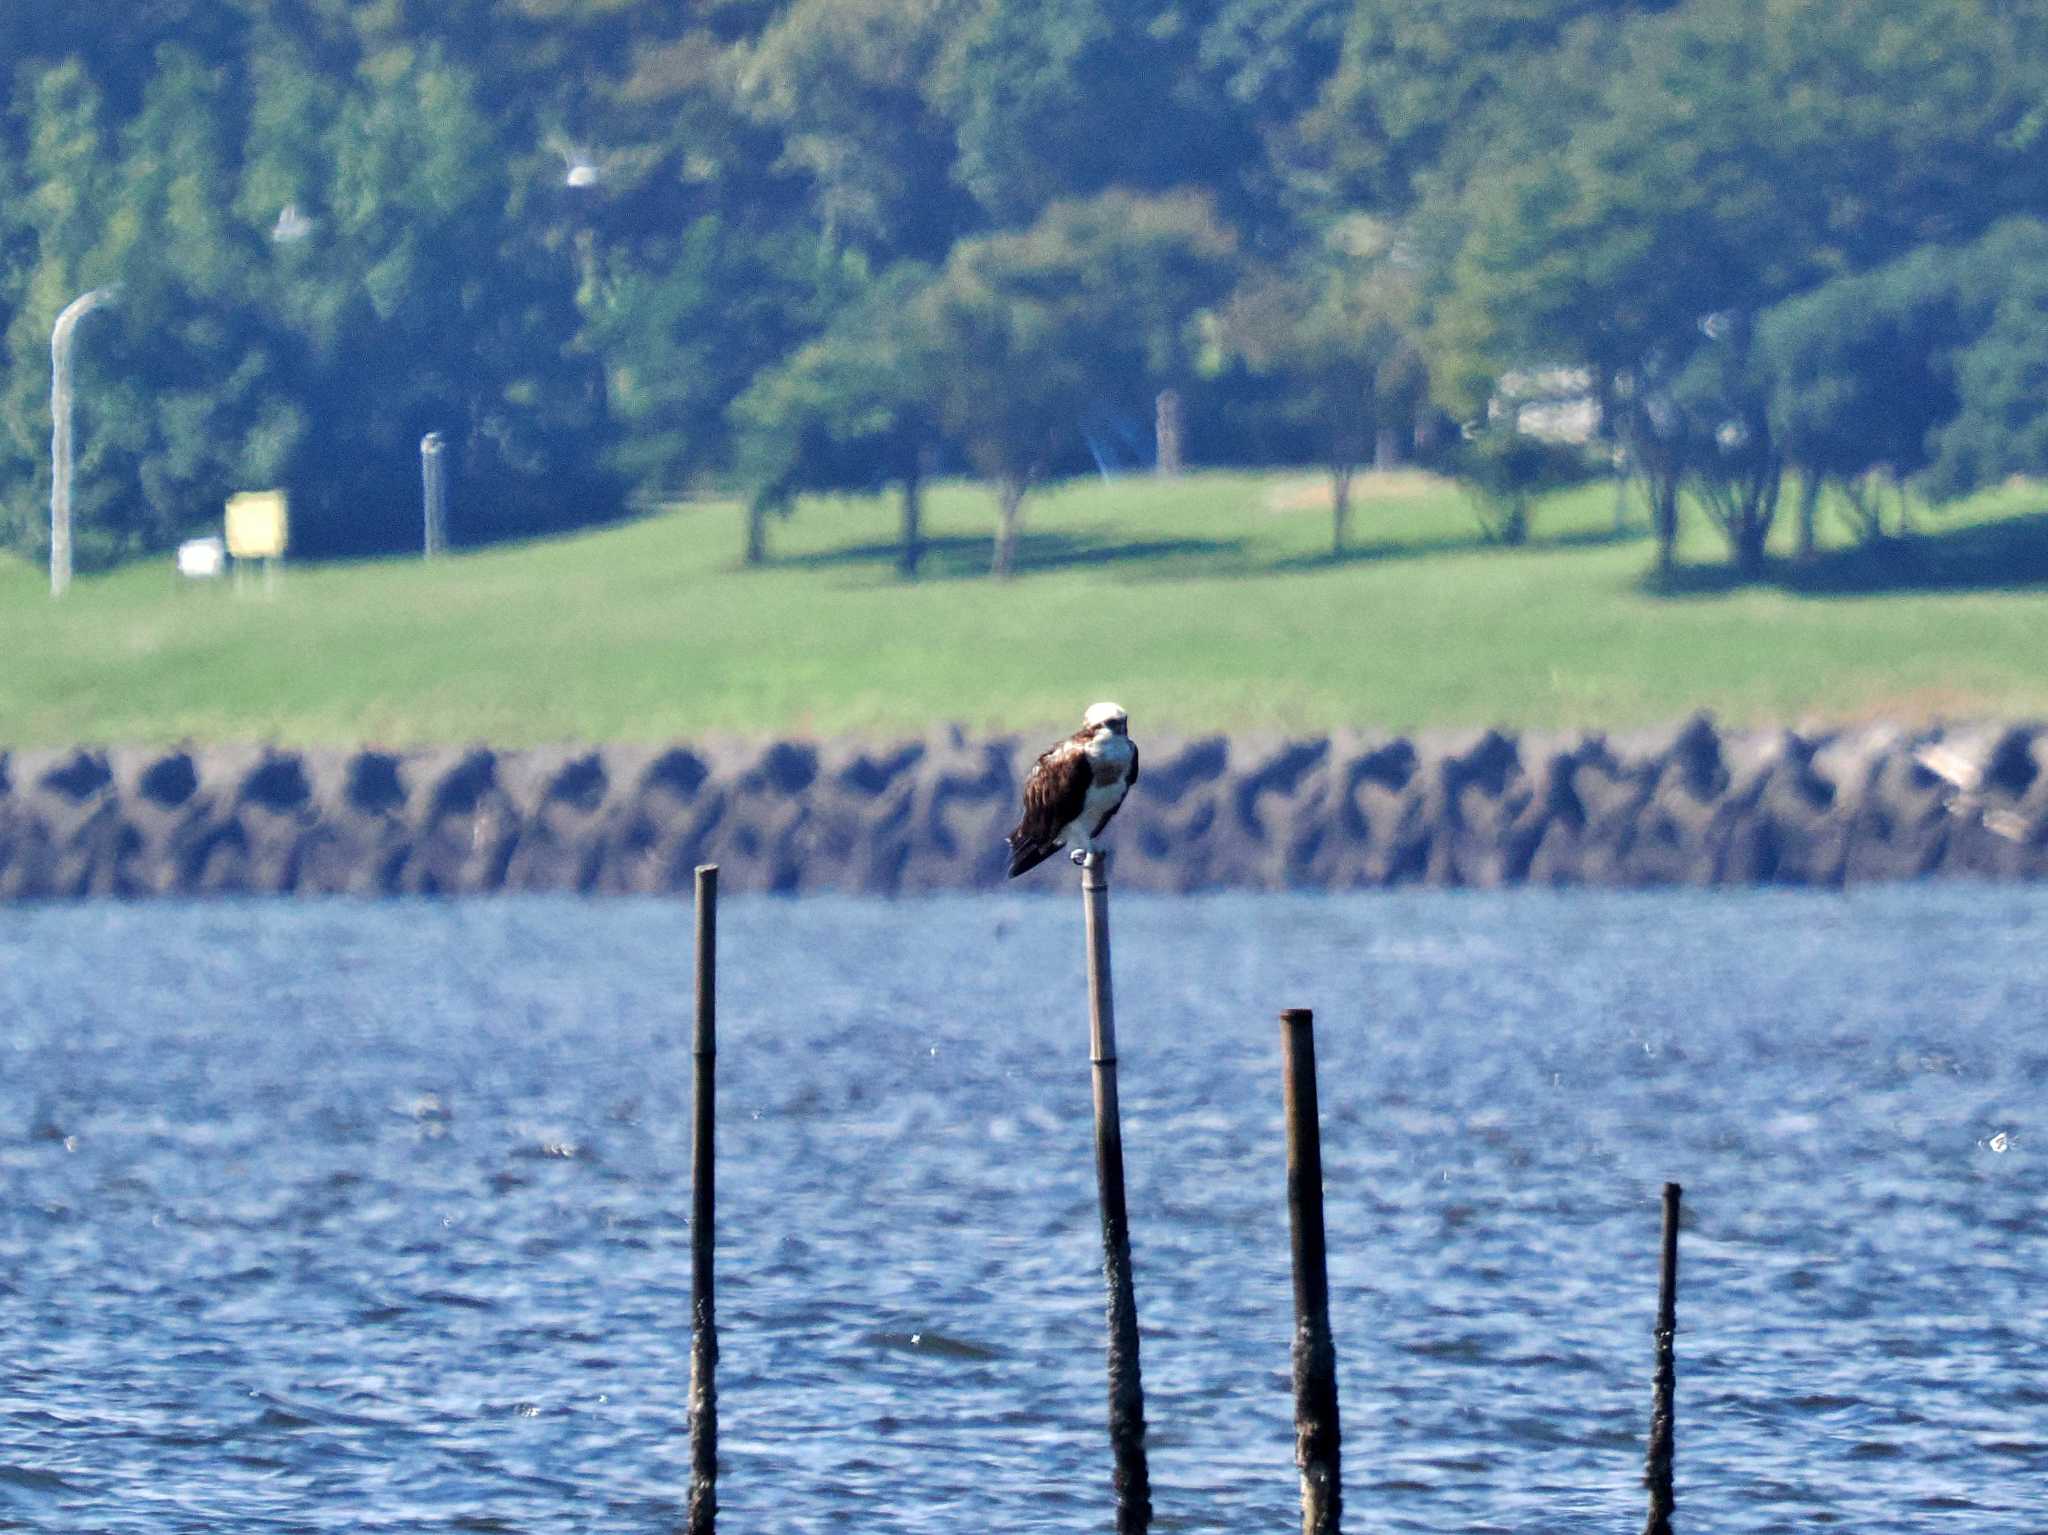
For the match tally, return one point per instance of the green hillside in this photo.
(1207, 604)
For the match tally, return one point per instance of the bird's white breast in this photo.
(1109, 762)
(1110, 756)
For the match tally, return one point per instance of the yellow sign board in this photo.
(258, 524)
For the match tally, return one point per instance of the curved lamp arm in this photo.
(60, 431)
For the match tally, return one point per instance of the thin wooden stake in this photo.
(1318, 1438)
(703, 1322)
(1130, 1477)
(1662, 1455)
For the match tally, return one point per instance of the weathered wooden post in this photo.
(1130, 1476)
(703, 1322)
(434, 495)
(1317, 1435)
(1658, 1463)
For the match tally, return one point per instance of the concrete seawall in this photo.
(1689, 805)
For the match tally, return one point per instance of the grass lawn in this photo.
(1207, 604)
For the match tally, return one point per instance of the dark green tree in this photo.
(848, 411)
(1718, 160)
(1094, 302)
(1337, 326)
(1738, 467)
(1062, 99)
(844, 85)
(1419, 88)
(1857, 382)
(1998, 369)
(64, 187)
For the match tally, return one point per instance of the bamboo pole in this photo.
(1318, 1438)
(1662, 1455)
(1130, 1476)
(703, 1324)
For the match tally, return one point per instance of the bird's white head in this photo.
(1106, 716)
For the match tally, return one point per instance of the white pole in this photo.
(434, 474)
(60, 433)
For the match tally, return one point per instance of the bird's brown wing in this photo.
(1054, 794)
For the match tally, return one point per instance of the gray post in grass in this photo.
(1129, 1476)
(61, 337)
(1166, 434)
(703, 1322)
(1317, 1436)
(434, 495)
(1659, 1462)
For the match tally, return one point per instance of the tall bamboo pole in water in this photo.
(703, 1323)
(1130, 1476)
(1663, 1451)
(1317, 1435)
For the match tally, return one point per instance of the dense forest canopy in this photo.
(610, 247)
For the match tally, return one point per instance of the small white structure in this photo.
(202, 559)
(291, 227)
(1550, 404)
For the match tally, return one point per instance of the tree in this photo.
(311, 223)
(843, 82)
(1723, 158)
(685, 324)
(1504, 470)
(1337, 326)
(1857, 383)
(1738, 469)
(701, 261)
(187, 379)
(1422, 85)
(1094, 301)
(1054, 100)
(1999, 367)
(1270, 60)
(572, 236)
(63, 185)
(484, 313)
(846, 411)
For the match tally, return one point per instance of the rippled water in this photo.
(373, 1217)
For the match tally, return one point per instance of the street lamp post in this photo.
(60, 433)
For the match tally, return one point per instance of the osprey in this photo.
(1075, 789)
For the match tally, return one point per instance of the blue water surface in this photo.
(329, 1216)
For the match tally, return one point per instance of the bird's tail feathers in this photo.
(1026, 856)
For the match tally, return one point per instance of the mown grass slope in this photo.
(1207, 604)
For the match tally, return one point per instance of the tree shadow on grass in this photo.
(1471, 543)
(956, 557)
(965, 557)
(2010, 555)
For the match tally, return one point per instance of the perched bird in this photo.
(1075, 789)
(1965, 778)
